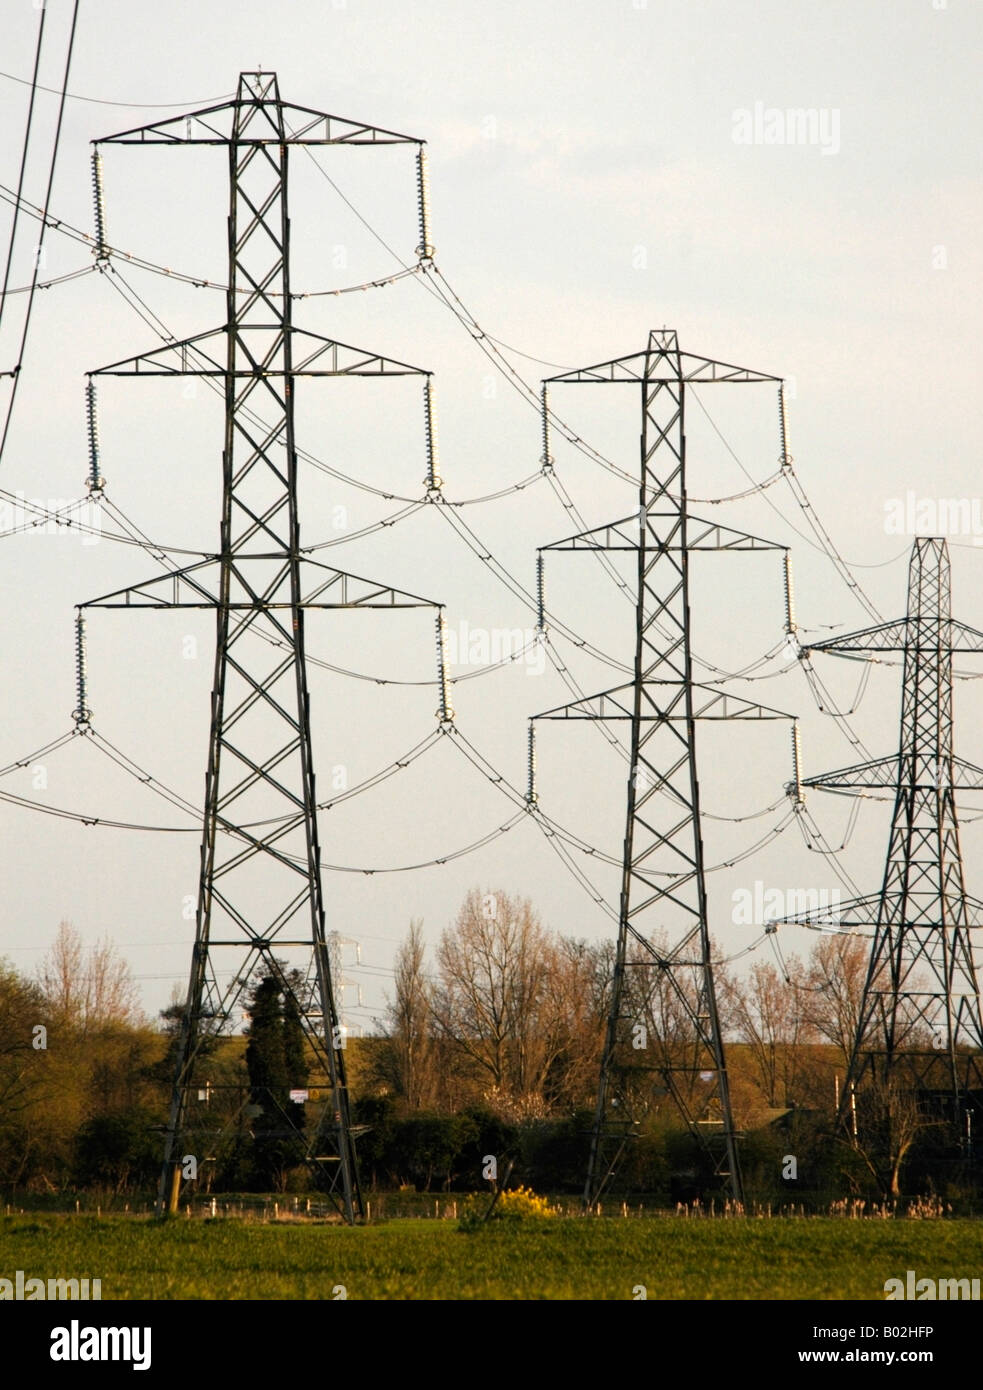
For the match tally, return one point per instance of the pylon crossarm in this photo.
(608, 704)
(889, 774)
(709, 535)
(879, 772)
(362, 363)
(608, 537)
(720, 705)
(717, 705)
(637, 366)
(884, 637)
(966, 776)
(902, 635)
(316, 128)
(334, 358)
(345, 590)
(854, 912)
(713, 536)
(354, 591)
(152, 593)
(963, 638)
(156, 363)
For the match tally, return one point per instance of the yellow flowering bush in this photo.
(514, 1205)
(522, 1201)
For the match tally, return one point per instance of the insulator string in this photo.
(786, 458)
(547, 458)
(81, 714)
(797, 764)
(790, 626)
(540, 593)
(532, 795)
(433, 481)
(95, 481)
(445, 710)
(425, 249)
(101, 250)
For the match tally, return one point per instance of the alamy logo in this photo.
(20, 1288)
(912, 515)
(771, 125)
(756, 905)
(465, 645)
(52, 516)
(912, 1288)
(75, 1343)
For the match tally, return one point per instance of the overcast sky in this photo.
(597, 170)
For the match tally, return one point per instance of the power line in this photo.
(16, 374)
(103, 101)
(198, 282)
(23, 165)
(825, 543)
(162, 331)
(50, 284)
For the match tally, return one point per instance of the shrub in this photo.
(514, 1206)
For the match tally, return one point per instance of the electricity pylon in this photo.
(919, 1019)
(663, 872)
(260, 896)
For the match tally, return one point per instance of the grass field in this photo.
(546, 1259)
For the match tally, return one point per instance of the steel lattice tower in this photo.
(919, 1018)
(663, 872)
(260, 897)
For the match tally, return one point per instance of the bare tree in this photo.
(891, 1124)
(61, 975)
(765, 1014)
(577, 999)
(88, 990)
(411, 1055)
(834, 988)
(494, 997)
(113, 996)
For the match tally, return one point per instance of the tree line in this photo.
(490, 1047)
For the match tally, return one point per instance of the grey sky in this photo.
(586, 186)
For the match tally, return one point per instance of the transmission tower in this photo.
(339, 979)
(662, 873)
(919, 1019)
(260, 897)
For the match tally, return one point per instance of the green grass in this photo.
(548, 1259)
